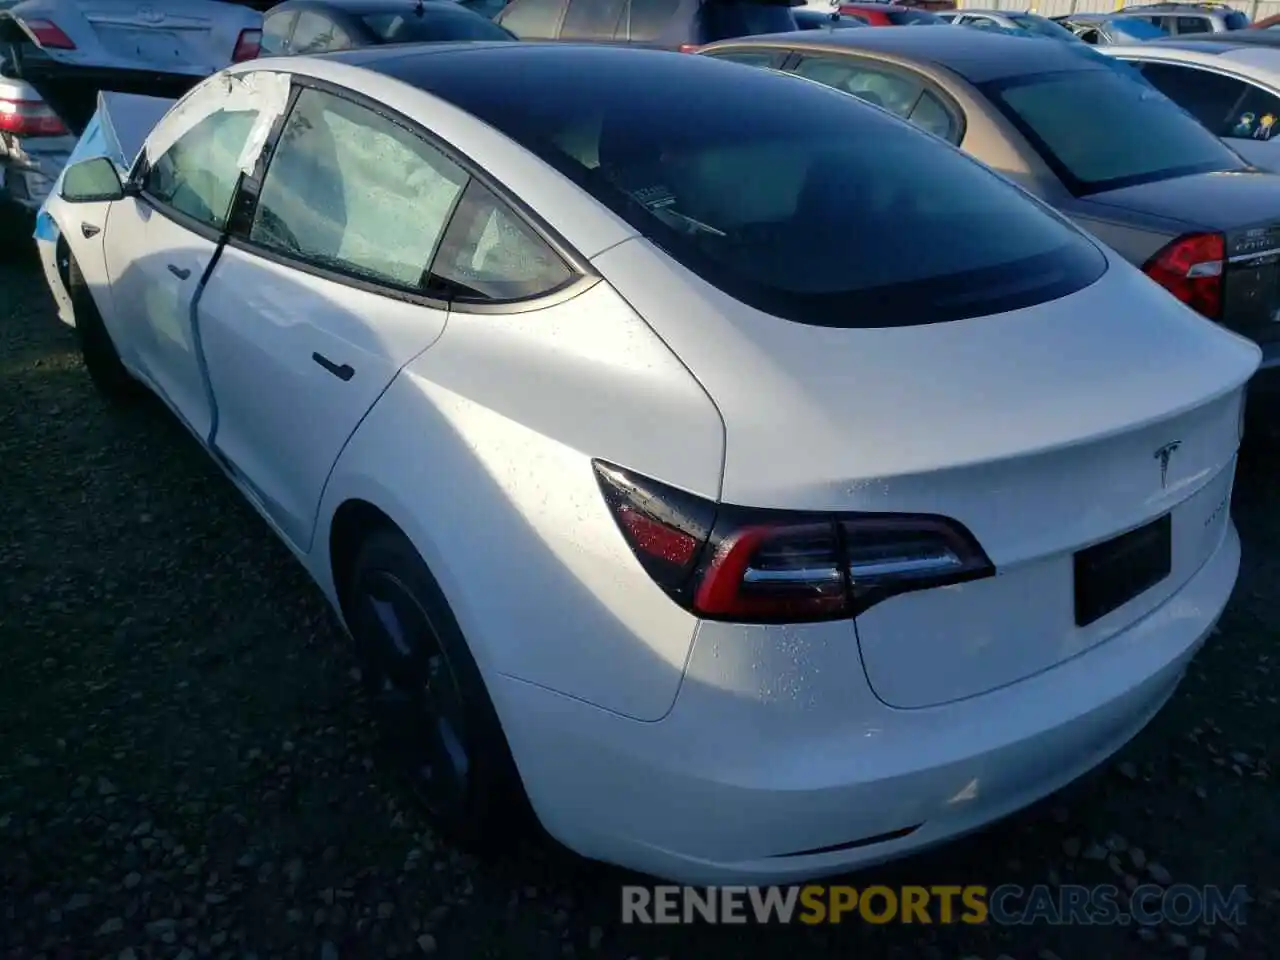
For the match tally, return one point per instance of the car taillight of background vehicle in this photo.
(49, 35)
(749, 565)
(689, 48)
(1191, 268)
(29, 118)
(248, 46)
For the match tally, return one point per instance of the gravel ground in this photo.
(186, 765)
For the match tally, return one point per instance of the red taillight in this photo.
(775, 571)
(689, 48)
(49, 35)
(29, 118)
(1192, 269)
(772, 566)
(248, 46)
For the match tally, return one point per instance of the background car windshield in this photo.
(1136, 29)
(1042, 27)
(800, 201)
(912, 18)
(1103, 129)
(443, 24)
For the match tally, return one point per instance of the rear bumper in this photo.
(772, 769)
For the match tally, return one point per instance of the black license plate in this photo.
(1109, 575)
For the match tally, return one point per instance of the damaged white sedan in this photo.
(663, 476)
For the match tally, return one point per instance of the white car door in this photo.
(163, 240)
(316, 304)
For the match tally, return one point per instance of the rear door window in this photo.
(534, 19)
(594, 20)
(1209, 97)
(489, 255)
(1101, 129)
(911, 18)
(351, 191)
(894, 92)
(442, 24)
(1257, 116)
(275, 32)
(316, 33)
(805, 206)
(930, 114)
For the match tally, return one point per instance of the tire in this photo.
(439, 725)
(112, 380)
(16, 226)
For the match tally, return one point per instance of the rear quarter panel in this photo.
(481, 452)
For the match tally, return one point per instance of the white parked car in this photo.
(1231, 88)
(659, 470)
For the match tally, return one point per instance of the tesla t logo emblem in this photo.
(1164, 454)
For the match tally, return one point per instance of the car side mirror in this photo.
(92, 181)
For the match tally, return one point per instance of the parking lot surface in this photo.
(187, 767)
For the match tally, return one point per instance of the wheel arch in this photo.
(352, 522)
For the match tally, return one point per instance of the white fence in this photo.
(1256, 9)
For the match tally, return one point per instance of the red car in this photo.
(890, 14)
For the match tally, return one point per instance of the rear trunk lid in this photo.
(1041, 430)
(156, 49)
(1229, 203)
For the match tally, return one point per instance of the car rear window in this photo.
(1041, 27)
(1101, 129)
(912, 18)
(797, 200)
(1136, 28)
(445, 24)
(725, 19)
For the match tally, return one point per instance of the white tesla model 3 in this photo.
(756, 484)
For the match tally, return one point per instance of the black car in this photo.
(318, 26)
(670, 24)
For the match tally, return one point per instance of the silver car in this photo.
(1031, 23)
(1083, 132)
(1179, 18)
